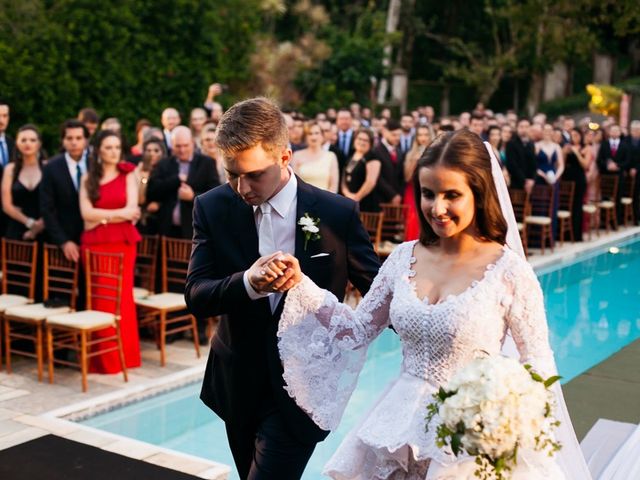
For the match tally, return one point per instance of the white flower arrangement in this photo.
(492, 408)
(310, 228)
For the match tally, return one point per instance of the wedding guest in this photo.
(176, 180)
(297, 134)
(91, 120)
(6, 150)
(521, 158)
(476, 124)
(361, 174)
(634, 155)
(494, 138)
(197, 118)
(109, 207)
(577, 162)
(345, 136)
(391, 182)
(21, 187)
(407, 125)
(154, 150)
(112, 124)
(422, 140)
(135, 153)
(614, 159)
(550, 167)
(315, 165)
(210, 149)
(593, 140)
(59, 202)
(169, 119)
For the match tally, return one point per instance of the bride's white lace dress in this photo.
(323, 347)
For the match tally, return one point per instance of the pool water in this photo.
(593, 309)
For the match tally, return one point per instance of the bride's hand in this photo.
(292, 273)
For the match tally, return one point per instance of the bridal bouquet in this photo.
(492, 408)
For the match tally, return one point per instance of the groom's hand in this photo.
(271, 273)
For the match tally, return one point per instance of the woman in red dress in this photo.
(421, 140)
(109, 206)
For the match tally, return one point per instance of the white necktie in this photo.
(266, 242)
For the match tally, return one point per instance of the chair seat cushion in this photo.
(8, 300)
(537, 220)
(564, 214)
(626, 201)
(36, 312)
(139, 292)
(606, 204)
(520, 226)
(162, 301)
(589, 208)
(84, 320)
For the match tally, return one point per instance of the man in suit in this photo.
(407, 124)
(169, 119)
(238, 228)
(176, 180)
(391, 180)
(521, 158)
(634, 163)
(613, 156)
(344, 142)
(59, 189)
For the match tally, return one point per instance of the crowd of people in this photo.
(102, 192)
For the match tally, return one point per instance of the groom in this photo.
(236, 226)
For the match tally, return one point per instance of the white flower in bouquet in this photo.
(490, 409)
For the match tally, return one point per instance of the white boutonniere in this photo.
(309, 228)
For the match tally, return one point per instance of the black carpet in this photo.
(56, 458)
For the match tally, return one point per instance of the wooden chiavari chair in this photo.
(607, 205)
(521, 210)
(26, 322)
(146, 266)
(565, 210)
(393, 227)
(541, 218)
(168, 310)
(628, 215)
(372, 222)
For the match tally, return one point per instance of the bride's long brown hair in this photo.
(464, 151)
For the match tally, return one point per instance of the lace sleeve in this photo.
(527, 320)
(323, 343)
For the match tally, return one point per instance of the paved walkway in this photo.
(29, 409)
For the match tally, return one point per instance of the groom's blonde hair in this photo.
(252, 122)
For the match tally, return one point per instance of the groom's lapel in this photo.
(306, 204)
(243, 230)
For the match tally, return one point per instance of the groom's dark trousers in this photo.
(270, 437)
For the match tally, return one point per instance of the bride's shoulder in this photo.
(517, 268)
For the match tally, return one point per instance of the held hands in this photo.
(275, 273)
(612, 166)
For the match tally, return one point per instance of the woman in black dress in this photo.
(576, 163)
(21, 187)
(361, 173)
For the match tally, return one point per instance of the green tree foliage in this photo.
(126, 58)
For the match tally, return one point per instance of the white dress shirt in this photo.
(283, 218)
(72, 165)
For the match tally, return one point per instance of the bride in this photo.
(456, 293)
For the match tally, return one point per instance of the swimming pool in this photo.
(593, 308)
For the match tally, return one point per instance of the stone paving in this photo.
(29, 409)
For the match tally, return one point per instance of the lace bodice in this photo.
(323, 343)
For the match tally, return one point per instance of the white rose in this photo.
(311, 229)
(306, 221)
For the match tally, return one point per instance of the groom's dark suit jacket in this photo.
(244, 371)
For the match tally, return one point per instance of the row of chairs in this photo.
(535, 212)
(56, 323)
